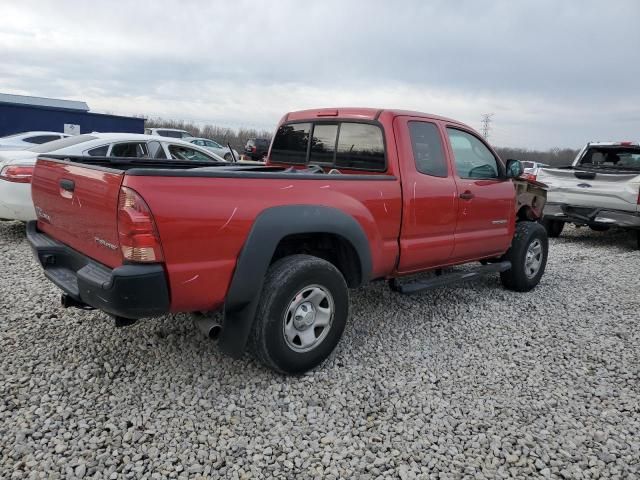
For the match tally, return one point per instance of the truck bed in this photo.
(202, 233)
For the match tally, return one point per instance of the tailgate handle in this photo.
(68, 185)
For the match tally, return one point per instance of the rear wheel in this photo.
(301, 315)
(553, 227)
(528, 257)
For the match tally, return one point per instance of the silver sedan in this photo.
(215, 147)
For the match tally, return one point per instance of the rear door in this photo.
(486, 206)
(429, 191)
(78, 205)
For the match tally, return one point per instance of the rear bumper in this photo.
(129, 291)
(591, 215)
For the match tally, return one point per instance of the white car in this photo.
(531, 169)
(16, 166)
(215, 147)
(21, 141)
(168, 132)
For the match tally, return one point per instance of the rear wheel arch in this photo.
(274, 228)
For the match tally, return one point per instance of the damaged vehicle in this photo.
(348, 196)
(601, 189)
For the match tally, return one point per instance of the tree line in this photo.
(238, 138)
(223, 135)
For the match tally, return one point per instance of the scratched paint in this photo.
(229, 220)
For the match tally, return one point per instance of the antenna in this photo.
(486, 124)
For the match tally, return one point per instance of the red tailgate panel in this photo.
(78, 206)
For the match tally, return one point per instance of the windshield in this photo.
(626, 158)
(62, 143)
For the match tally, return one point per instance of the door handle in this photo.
(467, 195)
(68, 185)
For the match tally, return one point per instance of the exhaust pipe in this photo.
(209, 327)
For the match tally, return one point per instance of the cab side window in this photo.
(472, 157)
(427, 149)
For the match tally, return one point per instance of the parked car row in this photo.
(255, 149)
(16, 166)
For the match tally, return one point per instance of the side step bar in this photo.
(448, 279)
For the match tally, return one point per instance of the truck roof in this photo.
(359, 113)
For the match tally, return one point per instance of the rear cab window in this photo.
(348, 145)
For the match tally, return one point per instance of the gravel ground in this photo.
(472, 381)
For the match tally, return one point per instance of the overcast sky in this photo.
(554, 73)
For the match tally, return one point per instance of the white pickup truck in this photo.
(601, 189)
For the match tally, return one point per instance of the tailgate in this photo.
(77, 205)
(617, 191)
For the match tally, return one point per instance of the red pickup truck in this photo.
(347, 196)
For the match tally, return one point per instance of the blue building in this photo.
(19, 113)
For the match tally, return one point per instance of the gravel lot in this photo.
(471, 381)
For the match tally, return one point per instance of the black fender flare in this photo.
(271, 226)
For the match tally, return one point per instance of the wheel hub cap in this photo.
(533, 259)
(305, 316)
(308, 318)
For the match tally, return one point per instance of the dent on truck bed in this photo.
(272, 225)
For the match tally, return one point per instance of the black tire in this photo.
(599, 228)
(638, 239)
(520, 278)
(553, 227)
(285, 279)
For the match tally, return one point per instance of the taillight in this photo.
(17, 173)
(139, 239)
(529, 176)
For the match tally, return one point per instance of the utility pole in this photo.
(486, 124)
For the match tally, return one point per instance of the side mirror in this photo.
(514, 168)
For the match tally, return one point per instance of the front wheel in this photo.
(528, 257)
(302, 313)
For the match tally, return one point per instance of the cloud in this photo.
(553, 73)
